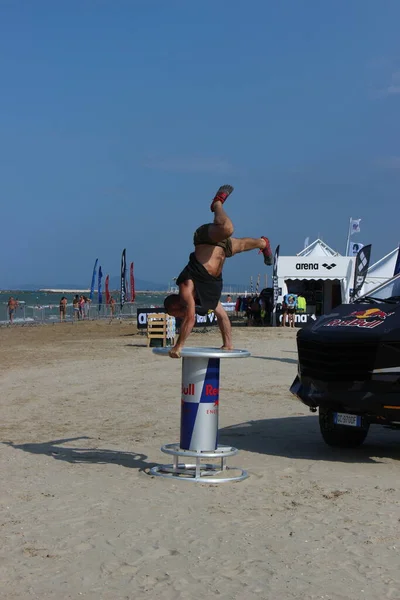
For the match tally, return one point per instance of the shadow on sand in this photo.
(56, 450)
(292, 437)
(291, 361)
(300, 438)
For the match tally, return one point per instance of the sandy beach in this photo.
(85, 408)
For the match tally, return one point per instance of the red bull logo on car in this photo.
(366, 319)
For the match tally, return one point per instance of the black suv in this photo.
(349, 366)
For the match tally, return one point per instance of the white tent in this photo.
(318, 272)
(318, 248)
(380, 271)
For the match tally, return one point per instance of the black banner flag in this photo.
(123, 277)
(361, 268)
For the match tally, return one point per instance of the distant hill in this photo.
(140, 284)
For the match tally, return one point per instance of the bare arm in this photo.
(225, 327)
(186, 292)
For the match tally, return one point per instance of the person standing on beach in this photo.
(200, 282)
(63, 308)
(81, 306)
(12, 305)
(86, 306)
(75, 305)
(112, 306)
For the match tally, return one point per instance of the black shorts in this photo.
(201, 236)
(290, 311)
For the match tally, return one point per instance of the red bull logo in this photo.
(211, 390)
(370, 313)
(366, 319)
(214, 409)
(189, 390)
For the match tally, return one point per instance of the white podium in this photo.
(199, 420)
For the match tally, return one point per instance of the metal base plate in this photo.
(187, 352)
(199, 472)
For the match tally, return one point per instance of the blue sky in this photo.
(120, 119)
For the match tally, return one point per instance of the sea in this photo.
(43, 306)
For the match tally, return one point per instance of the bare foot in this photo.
(226, 347)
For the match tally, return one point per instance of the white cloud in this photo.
(394, 85)
(386, 78)
(190, 164)
(388, 162)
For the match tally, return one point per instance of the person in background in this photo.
(86, 306)
(228, 298)
(291, 302)
(75, 304)
(63, 308)
(301, 304)
(81, 306)
(284, 312)
(112, 306)
(263, 310)
(12, 305)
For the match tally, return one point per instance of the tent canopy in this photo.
(318, 248)
(385, 266)
(380, 271)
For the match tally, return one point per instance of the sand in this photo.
(85, 409)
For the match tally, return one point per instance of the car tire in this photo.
(341, 436)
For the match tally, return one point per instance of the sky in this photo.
(120, 119)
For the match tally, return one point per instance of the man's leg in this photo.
(246, 244)
(222, 228)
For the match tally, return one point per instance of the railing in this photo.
(51, 313)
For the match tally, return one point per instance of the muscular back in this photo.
(211, 257)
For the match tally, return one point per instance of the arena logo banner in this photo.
(361, 268)
(300, 320)
(208, 320)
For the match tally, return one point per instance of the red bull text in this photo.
(365, 319)
(200, 400)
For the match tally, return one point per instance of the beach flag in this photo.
(99, 287)
(361, 269)
(123, 277)
(258, 284)
(107, 290)
(132, 278)
(93, 279)
(275, 282)
(354, 248)
(251, 285)
(355, 226)
(397, 265)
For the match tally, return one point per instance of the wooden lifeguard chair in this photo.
(160, 326)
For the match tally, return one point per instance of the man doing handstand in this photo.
(200, 283)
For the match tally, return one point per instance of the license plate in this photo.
(345, 419)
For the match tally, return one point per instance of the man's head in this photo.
(174, 306)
